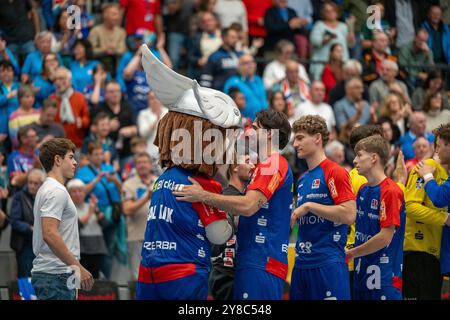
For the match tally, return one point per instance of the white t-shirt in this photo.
(324, 110)
(53, 201)
(275, 71)
(146, 119)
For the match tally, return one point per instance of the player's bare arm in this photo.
(381, 240)
(53, 239)
(245, 205)
(344, 213)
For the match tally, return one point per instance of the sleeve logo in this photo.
(332, 187)
(382, 211)
(274, 182)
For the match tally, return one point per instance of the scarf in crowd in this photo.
(303, 91)
(66, 112)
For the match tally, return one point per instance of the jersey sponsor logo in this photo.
(162, 245)
(419, 183)
(284, 248)
(274, 182)
(164, 184)
(260, 238)
(311, 219)
(262, 222)
(336, 237)
(373, 216)
(228, 262)
(231, 242)
(332, 187)
(201, 253)
(164, 213)
(374, 204)
(316, 196)
(199, 236)
(315, 184)
(362, 237)
(383, 211)
(418, 235)
(384, 259)
(229, 252)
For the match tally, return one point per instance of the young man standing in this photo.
(380, 226)
(264, 209)
(326, 205)
(56, 242)
(440, 194)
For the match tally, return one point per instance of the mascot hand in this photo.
(189, 193)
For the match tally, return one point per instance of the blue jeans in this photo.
(176, 42)
(52, 286)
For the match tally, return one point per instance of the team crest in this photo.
(315, 184)
(374, 204)
(419, 183)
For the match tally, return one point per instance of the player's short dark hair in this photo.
(375, 144)
(443, 132)
(364, 131)
(271, 119)
(54, 147)
(312, 125)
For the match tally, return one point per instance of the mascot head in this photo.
(192, 108)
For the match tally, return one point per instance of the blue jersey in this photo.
(263, 238)
(380, 207)
(175, 232)
(440, 196)
(321, 241)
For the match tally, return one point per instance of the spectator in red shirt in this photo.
(143, 14)
(256, 9)
(333, 71)
(73, 112)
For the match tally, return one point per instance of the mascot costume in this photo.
(176, 250)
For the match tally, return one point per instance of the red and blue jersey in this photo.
(321, 241)
(175, 235)
(263, 238)
(378, 207)
(440, 196)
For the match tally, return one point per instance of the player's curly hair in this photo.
(312, 125)
(443, 132)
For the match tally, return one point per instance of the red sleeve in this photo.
(206, 213)
(338, 182)
(157, 7)
(123, 3)
(391, 201)
(328, 78)
(269, 175)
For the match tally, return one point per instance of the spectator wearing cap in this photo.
(22, 221)
(82, 67)
(91, 222)
(24, 115)
(108, 38)
(8, 96)
(73, 112)
(250, 84)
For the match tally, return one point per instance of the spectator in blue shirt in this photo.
(250, 84)
(7, 55)
(43, 83)
(83, 66)
(8, 96)
(223, 63)
(417, 128)
(352, 109)
(32, 67)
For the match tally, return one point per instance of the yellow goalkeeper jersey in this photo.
(424, 221)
